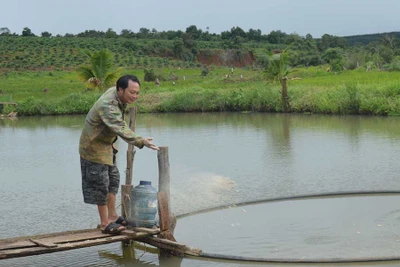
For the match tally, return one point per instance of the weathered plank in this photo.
(12, 253)
(171, 246)
(19, 242)
(152, 231)
(63, 241)
(42, 243)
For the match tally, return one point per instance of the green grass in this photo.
(311, 90)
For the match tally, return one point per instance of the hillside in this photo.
(368, 38)
(63, 53)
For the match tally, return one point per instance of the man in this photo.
(100, 175)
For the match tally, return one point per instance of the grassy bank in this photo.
(312, 90)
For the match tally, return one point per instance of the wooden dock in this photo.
(48, 243)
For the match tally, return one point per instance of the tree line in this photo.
(381, 51)
(192, 32)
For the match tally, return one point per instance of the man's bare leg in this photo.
(111, 205)
(106, 210)
(103, 216)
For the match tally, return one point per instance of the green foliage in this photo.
(27, 32)
(204, 71)
(46, 34)
(63, 53)
(352, 102)
(329, 41)
(354, 59)
(101, 73)
(335, 57)
(149, 75)
(368, 38)
(7, 109)
(394, 65)
(314, 90)
(278, 67)
(76, 103)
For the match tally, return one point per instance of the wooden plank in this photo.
(21, 252)
(74, 237)
(68, 236)
(151, 231)
(171, 246)
(17, 244)
(65, 237)
(24, 238)
(43, 244)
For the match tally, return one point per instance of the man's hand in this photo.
(148, 143)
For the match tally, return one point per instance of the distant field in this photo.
(310, 90)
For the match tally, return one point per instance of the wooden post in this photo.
(163, 172)
(164, 210)
(285, 98)
(130, 156)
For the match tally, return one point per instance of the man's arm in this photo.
(112, 117)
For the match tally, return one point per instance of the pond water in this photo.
(217, 159)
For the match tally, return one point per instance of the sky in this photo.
(315, 17)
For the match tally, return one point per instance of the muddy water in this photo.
(217, 160)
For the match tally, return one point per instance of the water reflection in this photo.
(139, 254)
(216, 159)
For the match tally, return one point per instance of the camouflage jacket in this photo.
(104, 122)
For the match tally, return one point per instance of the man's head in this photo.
(128, 88)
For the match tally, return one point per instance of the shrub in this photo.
(149, 75)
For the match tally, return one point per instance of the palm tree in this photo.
(101, 73)
(277, 70)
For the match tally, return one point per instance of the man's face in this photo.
(130, 94)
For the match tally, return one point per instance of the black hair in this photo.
(123, 81)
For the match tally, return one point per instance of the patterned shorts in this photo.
(97, 181)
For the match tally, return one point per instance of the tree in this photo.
(127, 33)
(389, 40)
(91, 33)
(254, 35)
(330, 41)
(277, 70)
(178, 47)
(276, 37)
(238, 42)
(335, 58)
(27, 32)
(101, 73)
(225, 35)
(110, 33)
(5, 31)
(46, 34)
(237, 32)
(196, 33)
(188, 41)
(143, 33)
